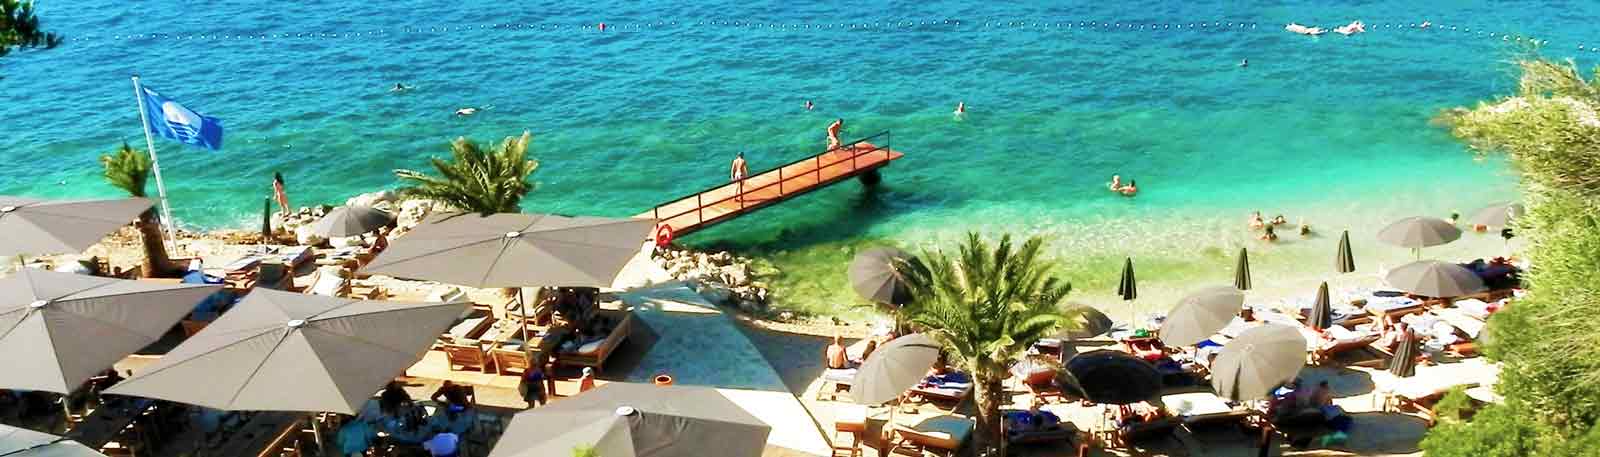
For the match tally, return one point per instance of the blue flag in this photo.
(174, 121)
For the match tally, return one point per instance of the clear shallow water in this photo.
(1332, 129)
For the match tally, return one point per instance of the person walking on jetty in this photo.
(739, 169)
(833, 133)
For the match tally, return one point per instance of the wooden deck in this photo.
(711, 206)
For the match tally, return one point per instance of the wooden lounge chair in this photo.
(1327, 352)
(597, 358)
(943, 435)
(1159, 428)
(467, 356)
(508, 360)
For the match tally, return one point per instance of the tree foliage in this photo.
(475, 179)
(1548, 343)
(986, 306)
(20, 28)
(127, 169)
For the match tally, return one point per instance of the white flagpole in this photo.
(161, 187)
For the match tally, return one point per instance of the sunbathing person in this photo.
(872, 346)
(1032, 420)
(834, 357)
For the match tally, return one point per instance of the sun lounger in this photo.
(941, 435)
(849, 429)
(1340, 340)
(835, 380)
(597, 357)
(328, 282)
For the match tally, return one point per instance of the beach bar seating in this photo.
(594, 354)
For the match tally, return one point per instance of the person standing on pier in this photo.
(737, 171)
(833, 133)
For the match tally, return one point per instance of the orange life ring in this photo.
(663, 235)
(663, 379)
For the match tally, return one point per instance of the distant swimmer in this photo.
(1425, 24)
(468, 111)
(1244, 62)
(1131, 189)
(809, 105)
(833, 133)
(1116, 183)
(961, 108)
(1351, 29)
(399, 87)
(1303, 30)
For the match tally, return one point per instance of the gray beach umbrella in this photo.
(1201, 314)
(1087, 322)
(1241, 272)
(1344, 261)
(1127, 288)
(1114, 377)
(284, 351)
(21, 442)
(351, 221)
(1419, 232)
(515, 250)
(57, 330)
(873, 276)
(1321, 310)
(1259, 360)
(637, 420)
(38, 227)
(1498, 215)
(1432, 278)
(1404, 363)
(894, 367)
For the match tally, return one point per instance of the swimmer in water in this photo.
(1244, 62)
(399, 87)
(809, 105)
(1116, 183)
(1130, 189)
(961, 109)
(468, 111)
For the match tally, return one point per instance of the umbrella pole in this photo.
(524, 307)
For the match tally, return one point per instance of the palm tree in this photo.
(477, 180)
(986, 307)
(20, 28)
(129, 170)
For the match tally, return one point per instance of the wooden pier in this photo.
(699, 210)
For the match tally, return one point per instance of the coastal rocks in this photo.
(412, 212)
(721, 277)
(305, 236)
(373, 199)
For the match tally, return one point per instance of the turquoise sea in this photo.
(1332, 129)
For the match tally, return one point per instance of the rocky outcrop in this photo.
(721, 277)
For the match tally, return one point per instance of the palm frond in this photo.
(476, 180)
(127, 169)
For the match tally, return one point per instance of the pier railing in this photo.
(810, 169)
